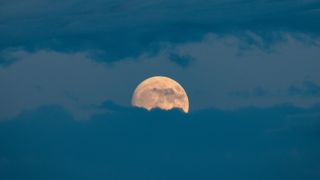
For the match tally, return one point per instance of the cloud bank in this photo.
(281, 142)
(113, 30)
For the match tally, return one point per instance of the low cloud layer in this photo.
(281, 142)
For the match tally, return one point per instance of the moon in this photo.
(160, 92)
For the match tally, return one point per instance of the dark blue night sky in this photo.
(68, 70)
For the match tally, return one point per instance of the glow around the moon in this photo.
(160, 92)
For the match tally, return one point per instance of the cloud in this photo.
(11, 55)
(276, 143)
(114, 30)
(80, 84)
(111, 106)
(307, 88)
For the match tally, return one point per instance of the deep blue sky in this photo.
(68, 70)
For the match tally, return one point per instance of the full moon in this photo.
(160, 92)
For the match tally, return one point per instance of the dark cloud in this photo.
(111, 106)
(281, 142)
(307, 88)
(111, 30)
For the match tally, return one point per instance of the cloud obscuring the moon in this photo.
(281, 142)
(60, 60)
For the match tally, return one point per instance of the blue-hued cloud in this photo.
(114, 29)
(308, 88)
(56, 124)
(219, 75)
(281, 142)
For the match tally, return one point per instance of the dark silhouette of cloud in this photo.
(111, 106)
(111, 30)
(307, 88)
(281, 142)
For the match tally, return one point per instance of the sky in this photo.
(68, 70)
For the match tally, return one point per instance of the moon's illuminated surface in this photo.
(160, 92)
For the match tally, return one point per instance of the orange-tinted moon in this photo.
(160, 92)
